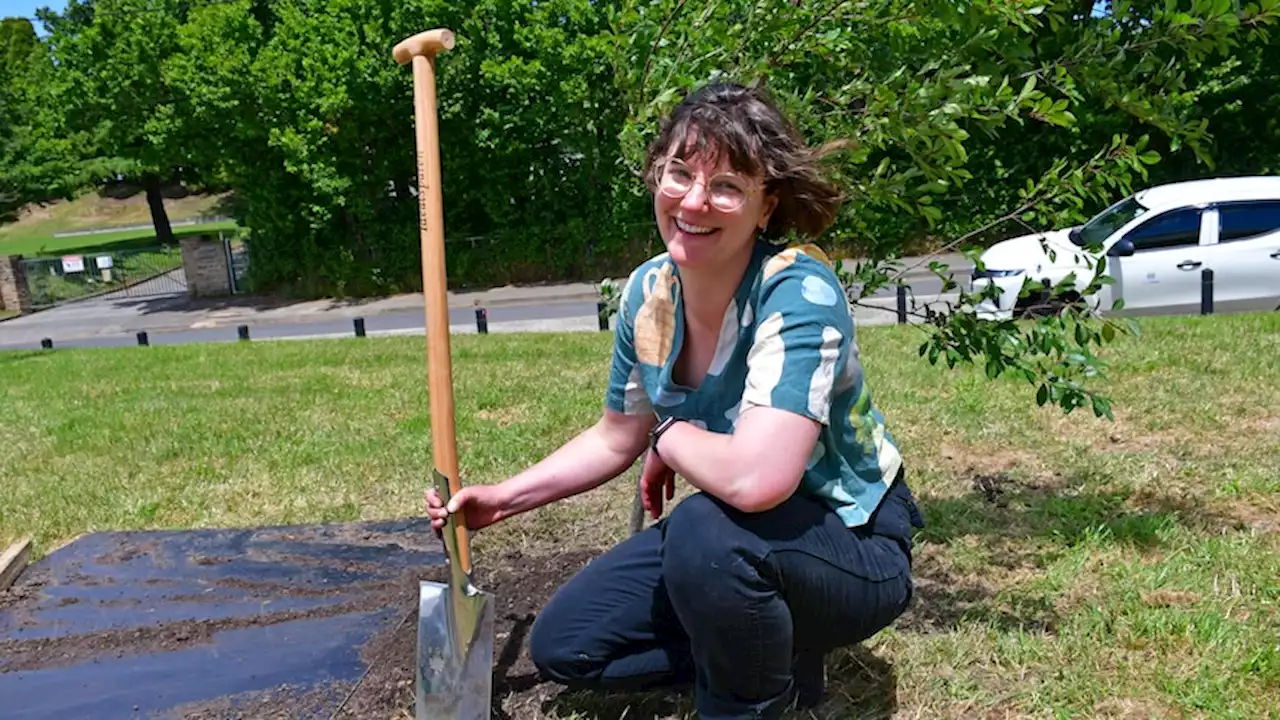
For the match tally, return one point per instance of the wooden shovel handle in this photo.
(420, 50)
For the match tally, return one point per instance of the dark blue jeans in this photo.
(727, 600)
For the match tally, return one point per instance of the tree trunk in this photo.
(159, 218)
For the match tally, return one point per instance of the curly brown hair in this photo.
(761, 142)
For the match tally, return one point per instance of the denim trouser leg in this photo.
(732, 594)
(612, 625)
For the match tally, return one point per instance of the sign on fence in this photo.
(72, 263)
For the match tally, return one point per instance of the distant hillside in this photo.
(37, 224)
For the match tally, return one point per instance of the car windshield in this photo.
(1107, 222)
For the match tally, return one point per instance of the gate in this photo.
(108, 275)
(237, 252)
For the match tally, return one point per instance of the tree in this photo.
(111, 93)
(305, 114)
(917, 85)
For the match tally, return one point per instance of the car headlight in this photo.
(989, 273)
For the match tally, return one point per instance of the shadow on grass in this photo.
(144, 241)
(860, 685)
(1022, 522)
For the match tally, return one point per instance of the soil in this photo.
(521, 582)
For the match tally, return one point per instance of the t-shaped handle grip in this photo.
(424, 43)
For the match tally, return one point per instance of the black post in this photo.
(604, 319)
(1206, 292)
(359, 323)
(243, 331)
(902, 304)
(47, 344)
(142, 338)
(482, 321)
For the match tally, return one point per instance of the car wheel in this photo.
(1041, 305)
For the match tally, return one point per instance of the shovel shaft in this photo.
(421, 50)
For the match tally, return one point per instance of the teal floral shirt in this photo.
(787, 342)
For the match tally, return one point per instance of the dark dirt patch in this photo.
(275, 704)
(522, 583)
(26, 590)
(127, 553)
(41, 653)
(996, 488)
(211, 560)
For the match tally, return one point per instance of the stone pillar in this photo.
(14, 294)
(204, 262)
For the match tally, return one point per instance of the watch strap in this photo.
(657, 432)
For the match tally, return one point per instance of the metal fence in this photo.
(236, 246)
(116, 274)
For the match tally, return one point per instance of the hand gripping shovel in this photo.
(455, 621)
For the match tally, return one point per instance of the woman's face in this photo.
(708, 215)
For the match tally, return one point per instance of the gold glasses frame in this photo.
(748, 186)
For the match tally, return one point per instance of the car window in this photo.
(1171, 229)
(1247, 220)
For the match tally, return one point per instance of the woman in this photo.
(734, 367)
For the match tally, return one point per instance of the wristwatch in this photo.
(657, 431)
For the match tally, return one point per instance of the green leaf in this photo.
(1042, 395)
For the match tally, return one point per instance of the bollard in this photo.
(902, 304)
(47, 344)
(359, 323)
(602, 317)
(243, 331)
(482, 321)
(1206, 291)
(142, 338)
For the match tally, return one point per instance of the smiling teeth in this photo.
(693, 229)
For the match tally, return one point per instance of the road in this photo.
(114, 320)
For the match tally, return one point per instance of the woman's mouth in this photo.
(691, 229)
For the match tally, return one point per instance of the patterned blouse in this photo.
(787, 342)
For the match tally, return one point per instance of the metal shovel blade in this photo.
(455, 640)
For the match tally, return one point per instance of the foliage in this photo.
(915, 85)
(311, 121)
(32, 160)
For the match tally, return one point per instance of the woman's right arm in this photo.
(592, 458)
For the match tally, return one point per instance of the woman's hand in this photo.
(481, 506)
(656, 479)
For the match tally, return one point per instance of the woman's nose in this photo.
(695, 199)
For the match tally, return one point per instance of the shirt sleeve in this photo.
(802, 340)
(626, 392)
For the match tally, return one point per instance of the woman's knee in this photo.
(554, 652)
(704, 548)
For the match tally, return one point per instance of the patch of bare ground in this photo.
(946, 596)
(504, 416)
(1135, 709)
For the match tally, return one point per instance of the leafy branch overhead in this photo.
(918, 86)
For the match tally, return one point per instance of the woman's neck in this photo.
(707, 291)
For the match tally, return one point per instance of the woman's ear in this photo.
(766, 211)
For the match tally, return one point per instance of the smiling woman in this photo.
(734, 367)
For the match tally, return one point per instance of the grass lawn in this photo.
(1070, 567)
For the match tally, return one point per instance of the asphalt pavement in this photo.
(115, 320)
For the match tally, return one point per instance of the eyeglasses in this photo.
(726, 191)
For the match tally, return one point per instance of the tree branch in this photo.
(648, 61)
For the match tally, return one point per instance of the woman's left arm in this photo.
(755, 468)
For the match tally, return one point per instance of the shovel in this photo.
(454, 675)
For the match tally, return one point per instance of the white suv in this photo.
(1157, 242)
